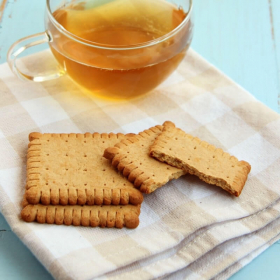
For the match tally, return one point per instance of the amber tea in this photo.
(130, 55)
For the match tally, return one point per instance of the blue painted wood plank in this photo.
(275, 22)
(3, 224)
(235, 35)
(17, 262)
(2, 7)
(20, 19)
(265, 266)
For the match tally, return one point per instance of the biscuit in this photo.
(70, 169)
(89, 216)
(212, 165)
(131, 158)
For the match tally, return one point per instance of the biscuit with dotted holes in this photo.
(131, 158)
(70, 169)
(89, 216)
(210, 164)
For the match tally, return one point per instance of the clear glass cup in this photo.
(112, 48)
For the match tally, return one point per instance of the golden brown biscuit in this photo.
(70, 169)
(89, 216)
(197, 157)
(131, 157)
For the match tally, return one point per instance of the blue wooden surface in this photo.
(241, 38)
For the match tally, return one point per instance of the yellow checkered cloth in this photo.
(188, 229)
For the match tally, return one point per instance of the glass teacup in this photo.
(112, 48)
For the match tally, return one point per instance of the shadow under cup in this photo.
(119, 49)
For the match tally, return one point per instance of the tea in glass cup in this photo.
(117, 48)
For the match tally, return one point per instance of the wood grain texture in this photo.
(236, 36)
(241, 38)
(275, 29)
(2, 8)
(16, 261)
(18, 21)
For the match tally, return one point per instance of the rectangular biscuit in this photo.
(131, 157)
(70, 169)
(89, 216)
(212, 165)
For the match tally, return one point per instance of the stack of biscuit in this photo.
(70, 182)
(98, 179)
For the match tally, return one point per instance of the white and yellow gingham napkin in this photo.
(188, 229)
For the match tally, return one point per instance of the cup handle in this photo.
(16, 49)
